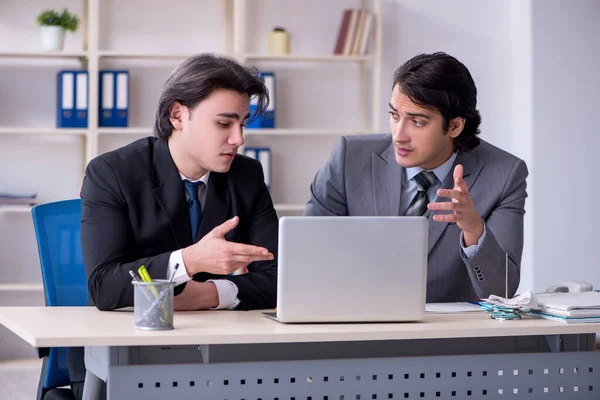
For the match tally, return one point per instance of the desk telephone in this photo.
(570, 286)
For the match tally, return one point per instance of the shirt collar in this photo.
(203, 178)
(440, 172)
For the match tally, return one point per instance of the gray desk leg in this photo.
(94, 387)
(97, 362)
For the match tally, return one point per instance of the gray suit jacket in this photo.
(362, 177)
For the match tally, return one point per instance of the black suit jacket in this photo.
(134, 212)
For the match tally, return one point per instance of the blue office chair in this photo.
(58, 232)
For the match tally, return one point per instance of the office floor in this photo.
(19, 379)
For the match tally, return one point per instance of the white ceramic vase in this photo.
(53, 38)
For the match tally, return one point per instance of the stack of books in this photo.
(354, 32)
(573, 307)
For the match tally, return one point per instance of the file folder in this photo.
(250, 152)
(107, 98)
(267, 119)
(253, 121)
(65, 106)
(121, 112)
(264, 156)
(81, 99)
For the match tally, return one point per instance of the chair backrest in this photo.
(58, 232)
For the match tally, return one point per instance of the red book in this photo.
(341, 38)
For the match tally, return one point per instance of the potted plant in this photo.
(54, 25)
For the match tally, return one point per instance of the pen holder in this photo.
(153, 305)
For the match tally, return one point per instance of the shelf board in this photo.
(305, 57)
(42, 131)
(126, 131)
(247, 131)
(289, 207)
(141, 55)
(15, 208)
(43, 54)
(21, 287)
(322, 132)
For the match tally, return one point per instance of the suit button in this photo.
(477, 268)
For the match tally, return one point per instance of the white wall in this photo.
(493, 40)
(535, 65)
(566, 86)
(474, 32)
(521, 120)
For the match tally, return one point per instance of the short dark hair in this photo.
(440, 82)
(197, 77)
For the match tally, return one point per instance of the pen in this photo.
(146, 277)
(159, 300)
(173, 273)
(135, 278)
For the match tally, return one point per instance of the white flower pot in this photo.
(53, 38)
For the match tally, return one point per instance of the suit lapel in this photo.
(471, 169)
(170, 193)
(217, 208)
(387, 182)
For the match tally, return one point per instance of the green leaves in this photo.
(65, 20)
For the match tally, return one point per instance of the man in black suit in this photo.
(185, 197)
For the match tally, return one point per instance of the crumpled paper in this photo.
(524, 302)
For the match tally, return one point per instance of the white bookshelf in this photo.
(234, 24)
(235, 20)
(94, 55)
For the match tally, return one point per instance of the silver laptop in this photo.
(351, 269)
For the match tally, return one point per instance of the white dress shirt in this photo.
(410, 189)
(226, 289)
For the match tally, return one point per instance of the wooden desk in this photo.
(245, 355)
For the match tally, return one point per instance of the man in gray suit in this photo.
(433, 153)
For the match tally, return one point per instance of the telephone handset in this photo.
(570, 286)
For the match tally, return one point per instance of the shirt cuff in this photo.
(227, 292)
(181, 275)
(470, 251)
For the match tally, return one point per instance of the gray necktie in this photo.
(418, 205)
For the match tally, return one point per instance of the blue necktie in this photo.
(194, 206)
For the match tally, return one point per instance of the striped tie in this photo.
(418, 206)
